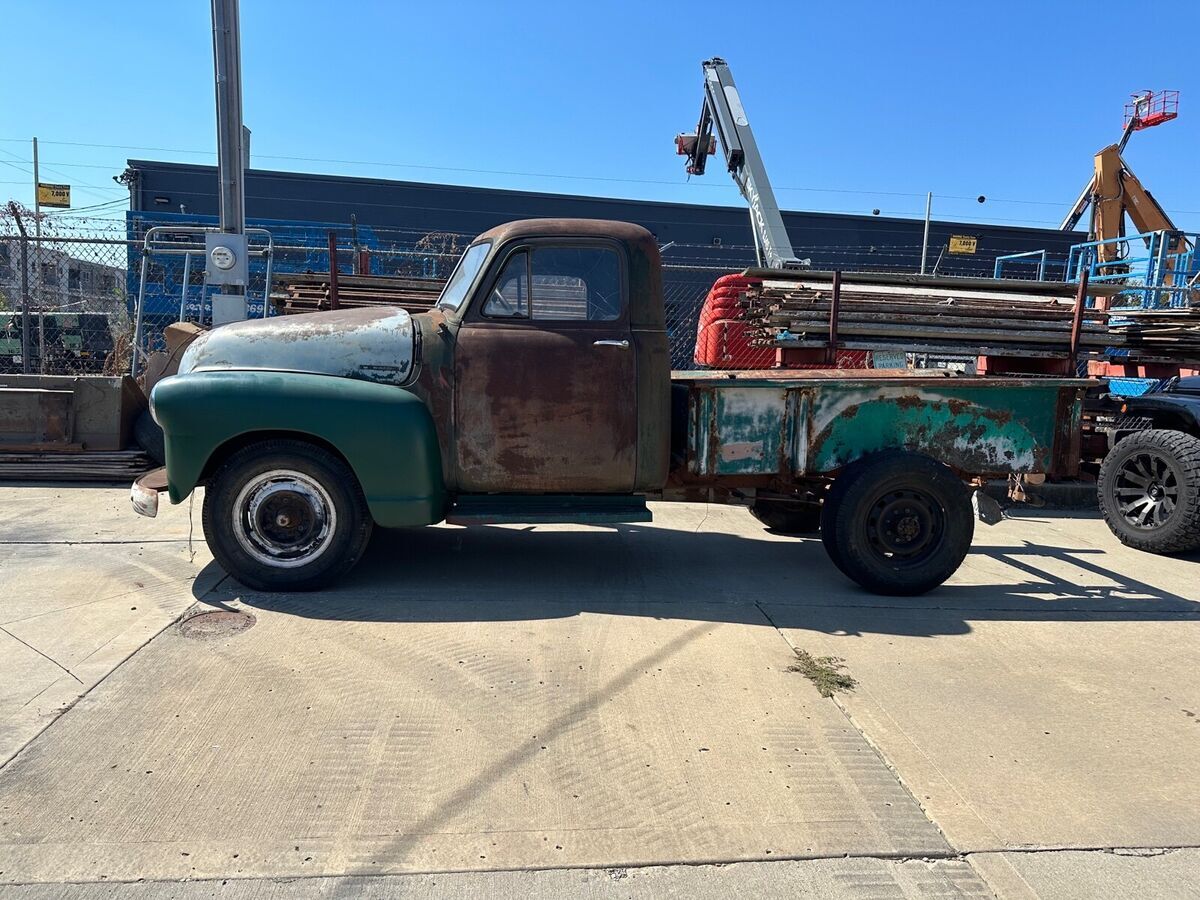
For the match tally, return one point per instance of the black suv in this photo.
(1149, 482)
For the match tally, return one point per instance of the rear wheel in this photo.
(1149, 490)
(285, 515)
(897, 523)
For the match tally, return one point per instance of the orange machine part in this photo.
(723, 337)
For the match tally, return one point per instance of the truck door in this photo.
(545, 390)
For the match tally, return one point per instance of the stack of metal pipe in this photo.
(924, 314)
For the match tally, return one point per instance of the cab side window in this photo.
(509, 298)
(558, 284)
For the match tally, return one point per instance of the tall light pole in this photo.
(225, 253)
(925, 239)
(227, 60)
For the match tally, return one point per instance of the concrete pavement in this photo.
(83, 584)
(616, 700)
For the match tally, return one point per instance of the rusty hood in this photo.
(368, 344)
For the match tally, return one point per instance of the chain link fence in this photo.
(63, 298)
(68, 298)
(387, 253)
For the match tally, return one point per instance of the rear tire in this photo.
(285, 516)
(897, 523)
(1149, 490)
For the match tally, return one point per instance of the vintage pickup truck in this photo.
(539, 390)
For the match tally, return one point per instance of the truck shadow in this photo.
(488, 573)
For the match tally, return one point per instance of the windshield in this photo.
(460, 282)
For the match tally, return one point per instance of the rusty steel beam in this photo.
(835, 303)
(333, 270)
(1077, 321)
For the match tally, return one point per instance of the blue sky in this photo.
(856, 105)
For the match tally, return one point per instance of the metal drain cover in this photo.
(216, 624)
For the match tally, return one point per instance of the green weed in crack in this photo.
(825, 672)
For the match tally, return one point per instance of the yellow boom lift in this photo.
(1114, 192)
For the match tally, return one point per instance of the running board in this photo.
(545, 509)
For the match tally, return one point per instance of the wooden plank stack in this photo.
(923, 314)
(1172, 334)
(108, 467)
(304, 292)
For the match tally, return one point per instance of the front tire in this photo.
(897, 523)
(1149, 490)
(285, 516)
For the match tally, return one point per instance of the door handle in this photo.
(624, 345)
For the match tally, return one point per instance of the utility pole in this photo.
(925, 239)
(226, 253)
(37, 196)
(37, 260)
(227, 58)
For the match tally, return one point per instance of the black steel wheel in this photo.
(897, 523)
(1149, 491)
(285, 516)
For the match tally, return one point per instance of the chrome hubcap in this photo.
(284, 519)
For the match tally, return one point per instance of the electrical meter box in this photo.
(225, 258)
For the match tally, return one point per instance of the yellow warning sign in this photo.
(962, 243)
(56, 195)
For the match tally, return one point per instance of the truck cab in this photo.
(546, 362)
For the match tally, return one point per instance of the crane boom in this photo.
(1117, 192)
(1085, 196)
(723, 106)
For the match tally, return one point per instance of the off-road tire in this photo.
(787, 516)
(1176, 456)
(877, 503)
(326, 491)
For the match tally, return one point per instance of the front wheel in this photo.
(285, 516)
(897, 523)
(1149, 489)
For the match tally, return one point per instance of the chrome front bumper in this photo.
(143, 493)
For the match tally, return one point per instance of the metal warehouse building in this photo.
(690, 233)
(415, 228)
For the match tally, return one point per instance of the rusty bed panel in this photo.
(812, 424)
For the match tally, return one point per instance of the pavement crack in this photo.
(68, 543)
(40, 653)
(86, 689)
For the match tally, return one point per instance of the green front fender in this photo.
(384, 432)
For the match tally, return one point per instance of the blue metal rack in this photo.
(1155, 279)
